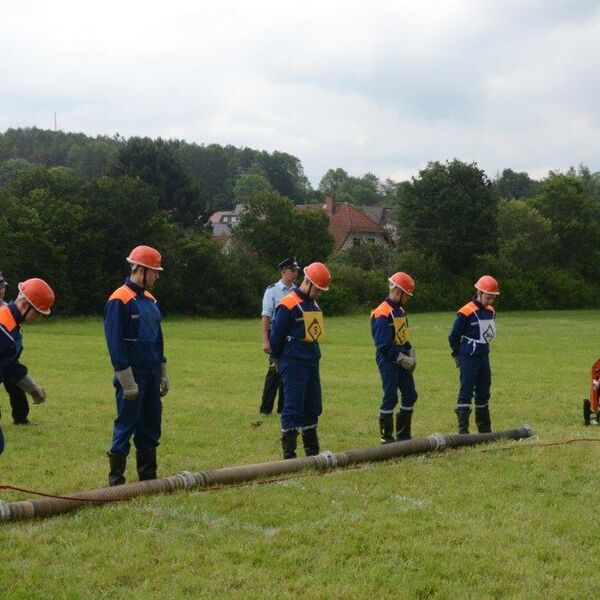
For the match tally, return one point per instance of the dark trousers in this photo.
(272, 385)
(475, 378)
(302, 393)
(394, 378)
(18, 401)
(1, 441)
(140, 418)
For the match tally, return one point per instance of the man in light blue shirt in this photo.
(273, 294)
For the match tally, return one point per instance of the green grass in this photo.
(471, 523)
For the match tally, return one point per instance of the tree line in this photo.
(72, 206)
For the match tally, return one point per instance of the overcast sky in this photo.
(383, 89)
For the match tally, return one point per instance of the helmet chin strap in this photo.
(27, 311)
(145, 273)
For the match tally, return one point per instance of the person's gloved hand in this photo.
(37, 392)
(127, 381)
(596, 384)
(164, 380)
(456, 359)
(408, 363)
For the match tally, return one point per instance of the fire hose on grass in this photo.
(326, 461)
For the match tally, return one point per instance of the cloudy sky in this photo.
(384, 88)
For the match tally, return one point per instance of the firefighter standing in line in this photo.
(18, 399)
(295, 334)
(273, 294)
(35, 299)
(473, 330)
(135, 344)
(395, 358)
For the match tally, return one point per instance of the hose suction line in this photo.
(48, 506)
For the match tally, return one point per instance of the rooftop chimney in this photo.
(330, 204)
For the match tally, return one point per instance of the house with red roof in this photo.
(348, 225)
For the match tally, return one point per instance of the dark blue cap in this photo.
(288, 263)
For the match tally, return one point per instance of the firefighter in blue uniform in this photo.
(135, 344)
(395, 358)
(273, 294)
(18, 399)
(295, 334)
(35, 299)
(473, 330)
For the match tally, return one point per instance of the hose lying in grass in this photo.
(54, 505)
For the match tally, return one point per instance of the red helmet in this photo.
(403, 281)
(145, 256)
(488, 285)
(318, 274)
(38, 293)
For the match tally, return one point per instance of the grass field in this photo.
(484, 522)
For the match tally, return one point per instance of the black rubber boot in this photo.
(310, 440)
(116, 476)
(463, 415)
(403, 421)
(146, 464)
(482, 419)
(288, 443)
(386, 428)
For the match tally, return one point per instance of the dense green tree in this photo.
(155, 163)
(366, 190)
(11, 169)
(516, 185)
(332, 180)
(525, 237)
(575, 219)
(249, 185)
(273, 228)
(449, 211)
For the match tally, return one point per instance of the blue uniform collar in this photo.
(138, 289)
(478, 304)
(303, 295)
(393, 304)
(16, 313)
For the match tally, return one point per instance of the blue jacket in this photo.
(383, 332)
(132, 328)
(471, 330)
(287, 329)
(11, 343)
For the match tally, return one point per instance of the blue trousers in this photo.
(140, 418)
(394, 378)
(302, 402)
(475, 377)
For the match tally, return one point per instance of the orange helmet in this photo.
(145, 256)
(38, 293)
(318, 274)
(403, 281)
(488, 285)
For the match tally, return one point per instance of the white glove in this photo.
(164, 380)
(408, 363)
(127, 381)
(37, 392)
(596, 384)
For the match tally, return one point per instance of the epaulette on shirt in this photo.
(270, 286)
(468, 309)
(125, 294)
(383, 310)
(291, 300)
(7, 321)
